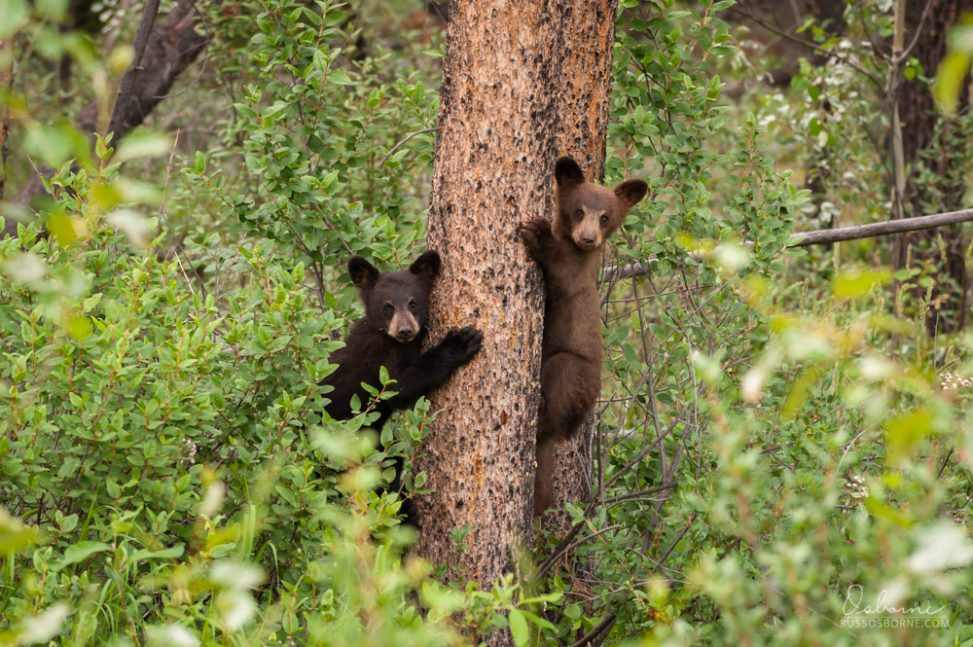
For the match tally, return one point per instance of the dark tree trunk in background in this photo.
(775, 26)
(173, 45)
(6, 80)
(930, 142)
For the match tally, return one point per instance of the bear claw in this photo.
(532, 231)
(465, 342)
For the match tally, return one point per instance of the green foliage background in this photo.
(777, 433)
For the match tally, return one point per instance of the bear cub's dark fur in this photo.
(391, 334)
(568, 253)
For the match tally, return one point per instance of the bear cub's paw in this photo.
(533, 232)
(462, 344)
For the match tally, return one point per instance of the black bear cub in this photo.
(391, 334)
(567, 251)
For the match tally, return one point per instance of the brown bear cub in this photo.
(391, 334)
(567, 251)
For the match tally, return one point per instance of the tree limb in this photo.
(128, 80)
(821, 237)
(824, 236)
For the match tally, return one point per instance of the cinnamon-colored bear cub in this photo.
(568, 253)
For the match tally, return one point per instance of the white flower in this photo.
(42, 628)
(236, 609)
(942, 546)
(171, 636)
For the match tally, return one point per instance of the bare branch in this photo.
(824, 236)
(404, 140)
(820, 237)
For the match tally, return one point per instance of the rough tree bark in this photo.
(522, 83)
(170, 49)
(495, 152)
(928, 23)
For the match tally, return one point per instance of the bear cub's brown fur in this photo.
(568, 253)
(391, 334)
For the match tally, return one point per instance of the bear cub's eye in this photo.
(413, 305)
(604, 219)
(388, 309)
(579, 214)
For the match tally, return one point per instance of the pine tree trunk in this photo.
(495, 152)
(522, 83)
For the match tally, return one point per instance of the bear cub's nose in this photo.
(405, 332)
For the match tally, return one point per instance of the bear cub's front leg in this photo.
(438, 364)
(537, 238)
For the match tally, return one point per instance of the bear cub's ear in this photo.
(567, 172)
(427, 266)
(363, 274)
(631, 191)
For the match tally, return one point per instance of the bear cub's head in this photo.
(396, 303)
(589, 213)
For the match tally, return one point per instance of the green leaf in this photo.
(13, 14)
(518, 628)
(339, 77)
(52, 8)
(80, 552)
(905, 432)
(166, 553)
(539, 621)
(15, 534)
(142, 143)
(54, 144)
(858, 282)
(949, 81)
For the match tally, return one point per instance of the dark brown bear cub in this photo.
(568, 253)
(391, 334)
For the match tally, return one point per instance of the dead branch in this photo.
(825, 236)
(821, 237)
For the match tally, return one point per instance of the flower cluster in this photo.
(952, 382)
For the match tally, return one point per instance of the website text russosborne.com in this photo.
(893, 622)
(885, 613)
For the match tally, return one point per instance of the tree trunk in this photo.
(522, 84)
(586, 93)
(495, 152)
(930, 143)
(500, 121)
(6, 82)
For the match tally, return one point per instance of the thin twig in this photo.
(844, 59)
(598, 633)
(549, 562)
(404, 140)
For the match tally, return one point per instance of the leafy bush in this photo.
(776, 451)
